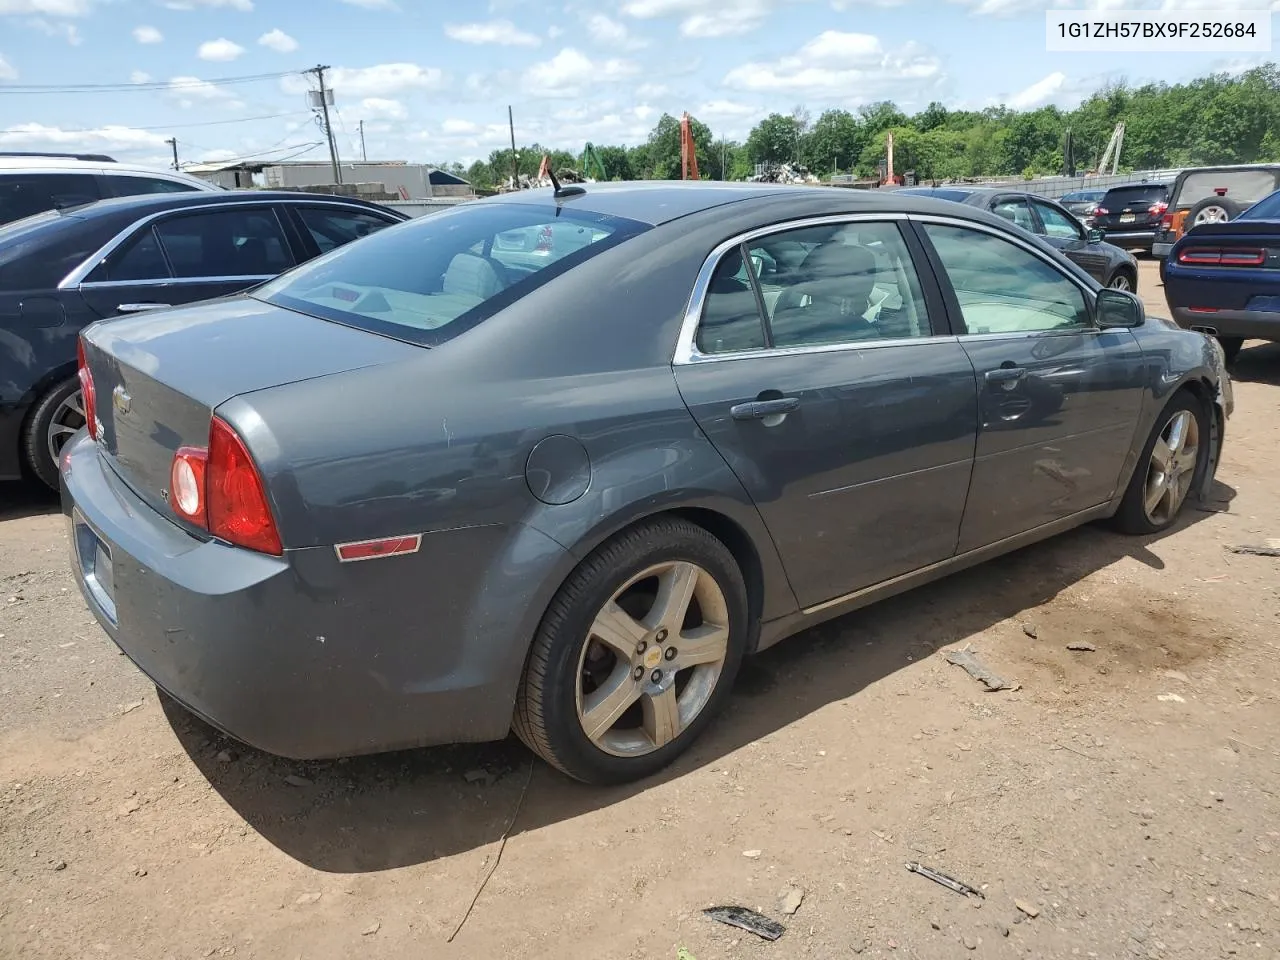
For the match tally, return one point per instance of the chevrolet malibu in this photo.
(431, 487)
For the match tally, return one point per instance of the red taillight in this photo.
(1157, 208)
(1216, 257)
(221, 490)
(1203, 309)
(1167, 222)
(88, 396)
(1103, 211)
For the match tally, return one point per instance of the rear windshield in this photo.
(1145, 194)
(1083, 196)
(1243, 186)
(1267, 208)
(435, 277)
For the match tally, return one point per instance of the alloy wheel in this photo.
(67, 419)
(1172, 467)
(1213, 214)
(653, 656)
(1121, 282)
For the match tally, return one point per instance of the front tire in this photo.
(635, 655)
(1173, 458)
(1123, 280)
(56, 416)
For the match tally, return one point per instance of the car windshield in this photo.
(430, 279)
(1268, 208)
(1243, 186)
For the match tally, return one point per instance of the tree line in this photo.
(1219, 118)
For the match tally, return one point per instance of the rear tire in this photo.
(56, 416)
(1173, 457)
(602, 698)
(1212, 210)
(1230, 347)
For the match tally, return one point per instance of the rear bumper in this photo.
(1246, 324)
(301, 655)
(1160, 249)
(1139, 237)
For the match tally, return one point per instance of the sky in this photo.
(432, 81)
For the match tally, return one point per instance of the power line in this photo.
(166, 126)
(302, 148)
(152, 85)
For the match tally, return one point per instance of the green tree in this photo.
(616, 162)
(775, 139)
(836, 141)
(662, 157)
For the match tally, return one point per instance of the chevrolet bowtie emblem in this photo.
(121, 400)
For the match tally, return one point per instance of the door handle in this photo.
(1005, 374)
(760, 409)
(141, 307)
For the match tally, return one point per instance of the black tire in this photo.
(1129, 277)
(1230, 207)
(546, 714)
(35, 438)
(1230, 347)
(1131, 517)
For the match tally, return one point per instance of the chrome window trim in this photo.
(174, 281)
(687, 351)
(89, 264)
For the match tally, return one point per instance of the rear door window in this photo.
(1243, 186)
(1015, 209)
(331, 227)
(432, 278)
(138, 258)
(26, 194)
(225, 243)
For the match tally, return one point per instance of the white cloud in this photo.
(381, 80)
(570, 72)
(459, 127)
(1039, 93)
(7, 70)
(382, 108)
(48, 8)
(705, 18)
(651, 91)
(605, 30)
(29, 135)
(68, 31)
(501, 32)
(278, 41)
(221, 50)
(843, 5)
(145, 34)
(244, 5)
(723, 108)
(189, 91)
(1007, 8)
(847, 67)
(373, 4)
(139, 76)
(555, 31)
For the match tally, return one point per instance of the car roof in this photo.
(145, 203)
(53, 163)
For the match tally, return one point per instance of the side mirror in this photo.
(1119, 310)
(1096, 235)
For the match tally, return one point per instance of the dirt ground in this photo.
(1128, 797)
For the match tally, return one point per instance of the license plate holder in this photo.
(97, 569)
(1128, 217)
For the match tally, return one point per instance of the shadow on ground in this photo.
(381, 812)
(1257, 362)
(20, 499)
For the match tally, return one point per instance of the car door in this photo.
(1058, 397)
(1064, 232)
(821, 369)
(189, 255)
(326, 227)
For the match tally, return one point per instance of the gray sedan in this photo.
(559, 461)
(1105, 262)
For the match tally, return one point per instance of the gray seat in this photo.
(472, 276)
(832, 290)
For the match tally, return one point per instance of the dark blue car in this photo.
(1225, 277)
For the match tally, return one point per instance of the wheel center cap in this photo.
(652, 657)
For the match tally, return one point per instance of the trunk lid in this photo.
(159, 377)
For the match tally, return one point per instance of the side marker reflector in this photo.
(373, 549)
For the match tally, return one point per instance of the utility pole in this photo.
(319, 70)
(515, 160)
(364, 154)
(173, 142)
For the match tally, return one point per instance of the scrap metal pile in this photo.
(782, 173)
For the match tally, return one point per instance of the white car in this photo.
(34, 183)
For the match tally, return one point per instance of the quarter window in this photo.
(138, 259)
(830, 284)
(1057, 224)
(1003, 288)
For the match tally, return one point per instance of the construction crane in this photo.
(688, 150)
(590, 165)
(1112, 152)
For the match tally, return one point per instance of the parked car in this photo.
(1130, 215)
(1108, 264)
(1212, 195)
(1083, 204)
(409, 493)
(34, 183)
(62, 270)
(1224, 278)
